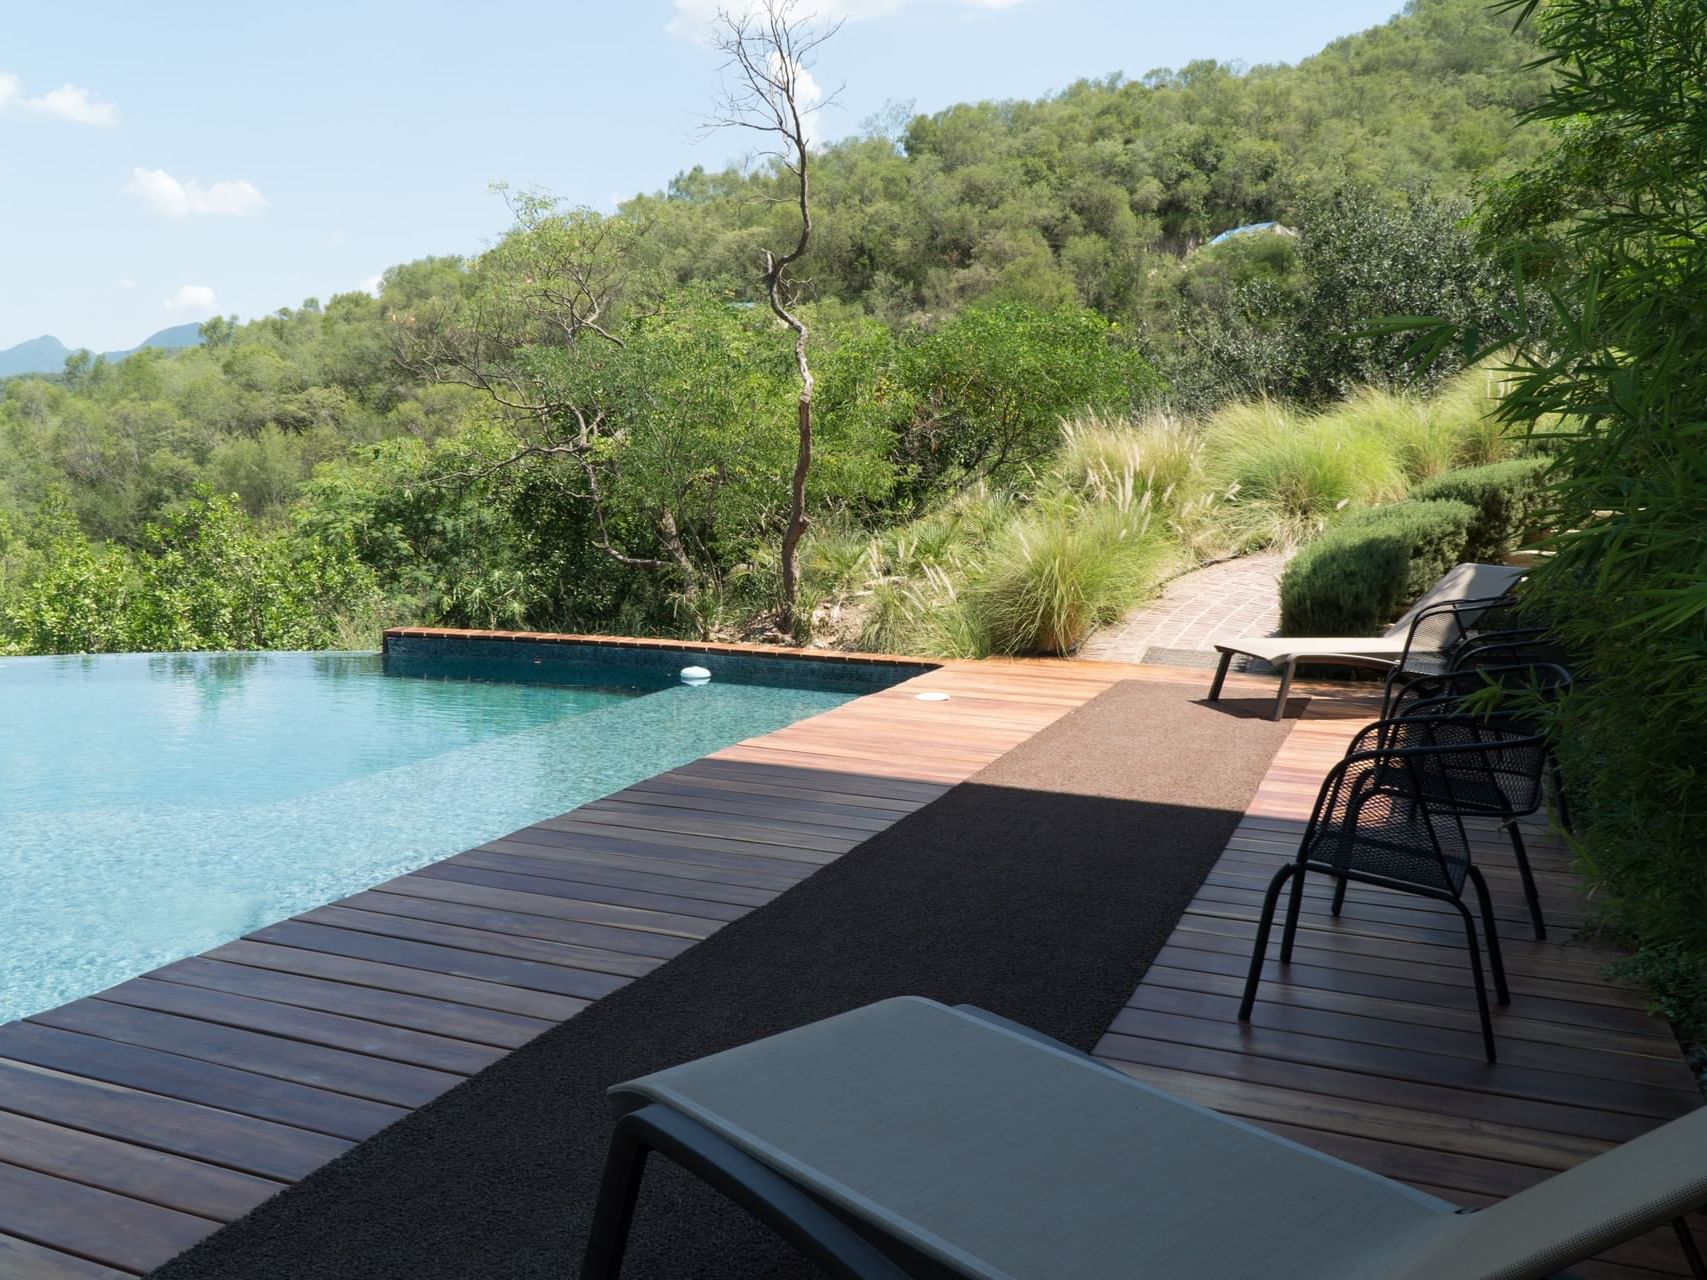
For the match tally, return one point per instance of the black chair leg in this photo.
(1691, 1252)
(1265, 922)
(1481, 984)
(1496, 959)
(1560, 798)
(1339, 896)
(830, 1243)
(1530, 893)
(613, 1215)
(1294, 905)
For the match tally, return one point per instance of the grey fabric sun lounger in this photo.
(1382, 652)
(908, 1140)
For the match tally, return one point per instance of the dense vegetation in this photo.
(586, 426)
(1607, 227)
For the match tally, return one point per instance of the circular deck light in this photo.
(932, 695)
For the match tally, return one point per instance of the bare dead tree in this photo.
(768, 90)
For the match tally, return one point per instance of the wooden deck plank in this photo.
(249, 1145)
(439, 1018)
(528, 975)
(532, 922)
(311, 1026)
(358, 1075)
(195, 1080)
(22, 1260)
(496, 996)
(157, 1177)
(562, 865)
(711, 868)
(104, 1227)
(485, 941)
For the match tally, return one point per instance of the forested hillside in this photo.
(464, 449)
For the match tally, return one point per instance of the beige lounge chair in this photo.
(910, 1141)
(1464, 585)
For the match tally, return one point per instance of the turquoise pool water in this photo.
(154, 806)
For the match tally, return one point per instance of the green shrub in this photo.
(1357, 577)
(1506, 497)
(1467, 406)
(1421, 442)
(1058, 574)
(1113, 459)
(1287, 477)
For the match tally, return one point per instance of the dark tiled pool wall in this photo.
(626, 666)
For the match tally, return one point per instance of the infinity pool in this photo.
(154, 806)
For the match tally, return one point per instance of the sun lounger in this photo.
(1466, 585)
(910, 1141)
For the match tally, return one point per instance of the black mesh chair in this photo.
(1443, 636)
(1502, 780)
(1506, 648)
(1541, 678)
(1375, 822)
(1531, 667)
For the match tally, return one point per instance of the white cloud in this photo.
(373, 284)
(165, 194)
(79, 106)
(807, 92)
(10, 88)
(191, 297)
(127, 283)
(693, 18)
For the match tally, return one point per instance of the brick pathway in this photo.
(1235, 597)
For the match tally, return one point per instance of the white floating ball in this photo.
(695, 675)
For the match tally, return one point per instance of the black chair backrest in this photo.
(1505, 648)
(1373, 814)
(1439, 628)
(1448, 690)
(1484, 763)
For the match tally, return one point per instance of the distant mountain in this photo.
(47, 354)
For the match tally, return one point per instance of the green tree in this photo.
(989, 389)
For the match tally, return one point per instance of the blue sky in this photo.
(162, 163)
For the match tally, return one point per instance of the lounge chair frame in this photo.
(1433, 631)
(706, 1116)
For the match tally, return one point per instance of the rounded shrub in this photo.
(1356, 578)
(1507, 498)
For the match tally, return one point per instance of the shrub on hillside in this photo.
(1110, 459)
(1506, 497)
(1058, 574)
(1287, 477)
(1357, 577)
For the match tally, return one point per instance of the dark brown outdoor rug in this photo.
(1039, 889)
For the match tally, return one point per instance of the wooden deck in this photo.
(134, 1122)
(1369, 1048)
